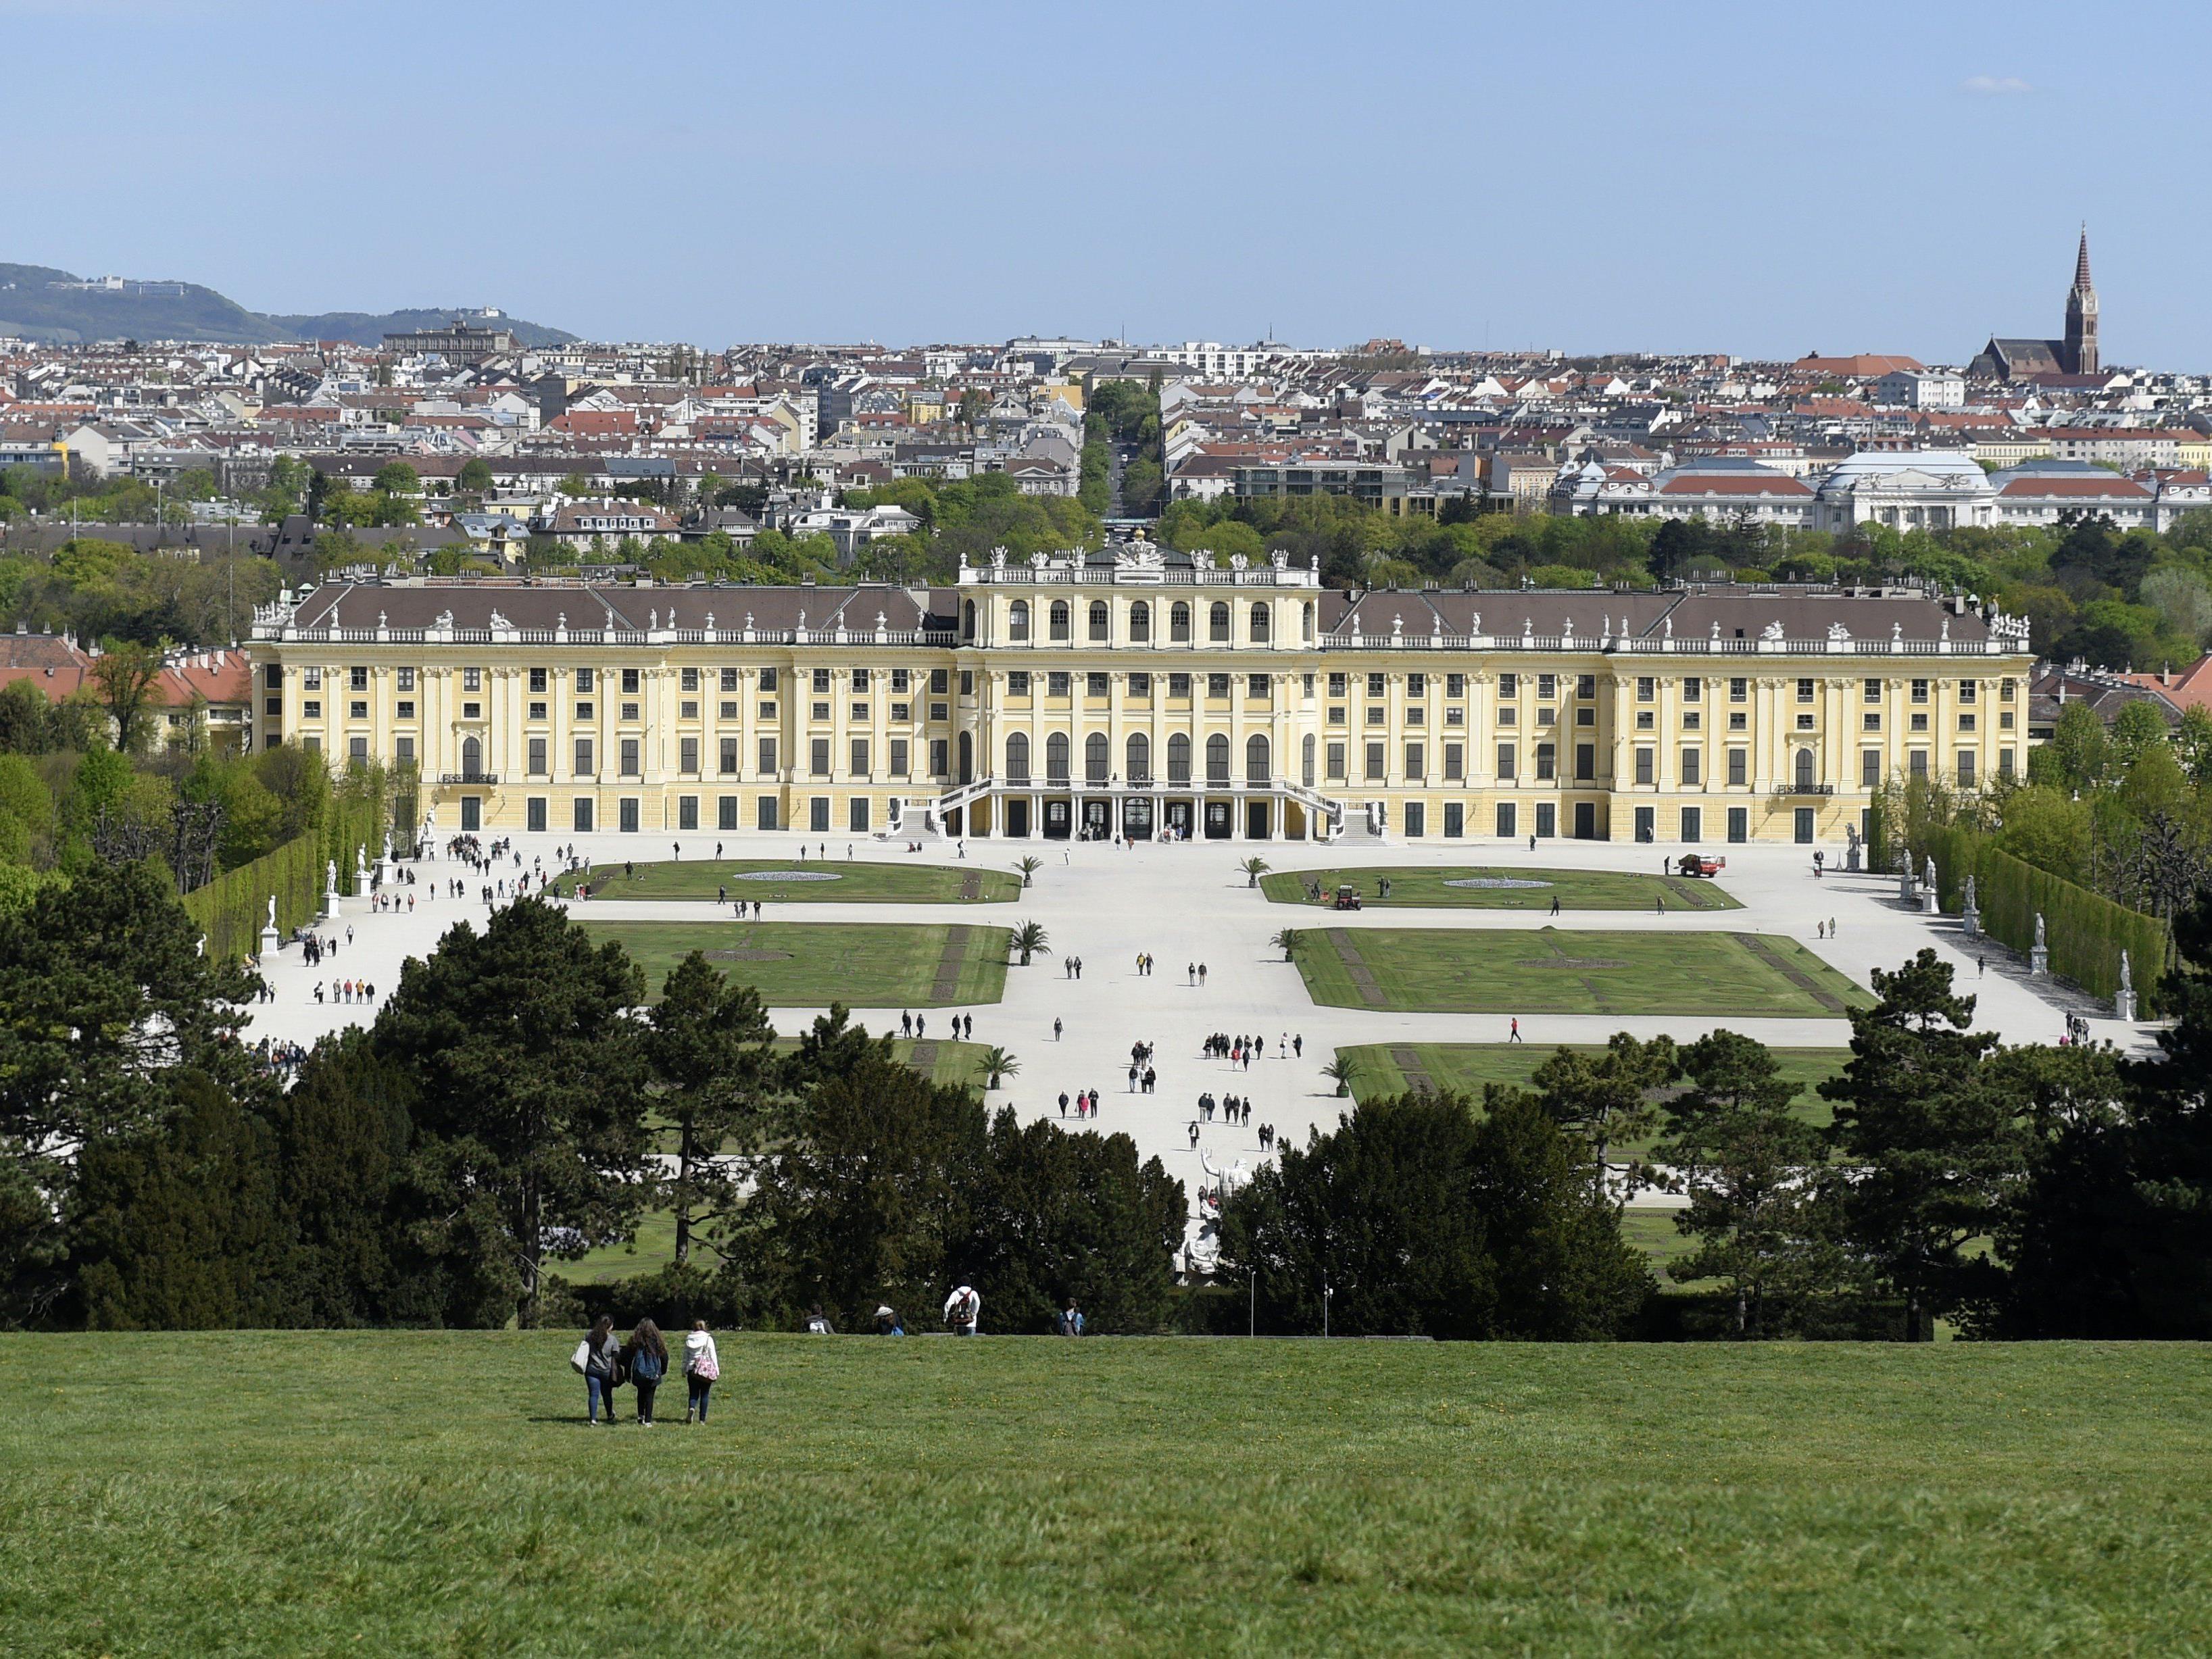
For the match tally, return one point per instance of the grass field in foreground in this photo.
(810, 965)
(1431, 887)
(282, 1494)
(786, 881)
(1550, 971)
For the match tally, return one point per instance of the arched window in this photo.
(1217, 759)
(1179, 623)
(1140, 622)
(1255, 759)
(1310, 622)
(1259, 624)
(471, 758)
(1804, 768)
(1178, 759)
(1017, 620)
(1100, 627)
(1059, 619)
(1097, 756)
(1018, 758)
(967, 758)
(1138, 769)
(1055, 758)
(1217, 623)
(1306, 762)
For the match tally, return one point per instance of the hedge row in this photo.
(232, 909)
(2085, 931)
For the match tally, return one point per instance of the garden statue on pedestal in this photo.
(1928, 901)
(2038, 959)
(2123, 1001)
(1970, 916)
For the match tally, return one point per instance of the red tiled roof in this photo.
(2045, 483)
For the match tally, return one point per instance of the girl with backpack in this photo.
(647, 1356)
(598, 1356)
(701, 1365)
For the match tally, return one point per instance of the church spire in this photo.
(2082, 261)
(2080, 355)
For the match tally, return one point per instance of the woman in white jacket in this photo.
(701, 1365)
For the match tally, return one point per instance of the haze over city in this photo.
(1768, 182)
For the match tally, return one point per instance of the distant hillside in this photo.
(32, 306)
(367, 328)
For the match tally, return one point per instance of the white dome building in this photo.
(1906, 489)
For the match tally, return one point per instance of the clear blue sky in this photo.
(1762, 179)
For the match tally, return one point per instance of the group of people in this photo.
(917, 1026)
(280, 1058)
(607, 1362)
(1086, 1103)
(347, 990)
(1234, 1109)
(1071, 967)
(1243, 1050)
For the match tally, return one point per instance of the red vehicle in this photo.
(1347, 898)
(1701, 864)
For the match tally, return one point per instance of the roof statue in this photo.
(1773, 630)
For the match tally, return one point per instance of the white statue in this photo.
(1931, 877)
(1971, 905)
(2127, 973)
(272, 910)
(2038, 930)
(331, 875)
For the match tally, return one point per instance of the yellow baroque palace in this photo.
(1136, 689)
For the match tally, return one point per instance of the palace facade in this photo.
(1139, 690)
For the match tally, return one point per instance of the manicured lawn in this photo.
(808, 964)
(1548, 971)
(1464, 1068)
(787, 881)
(1530, 889)
(277, 1493)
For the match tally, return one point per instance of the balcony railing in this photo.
(489, 780)
(1808, 789)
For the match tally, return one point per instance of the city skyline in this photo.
(1632, 184)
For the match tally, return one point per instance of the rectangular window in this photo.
(967, 681)
(940, 681)
(940, 764)
(471, 711)
(580, 813)
(1870, 769)
(1017, 683)
(1547, 685)
(537, 681)
(859, 680)
(729, 757)
(1417, 685)
(766, 758)
(1417, 818)
(1454, 762)
(534, 815)
(357, 751)
(472, 679)
(1916, 763)
(1548, 758)
(631, 768)
(820, 684)
(1336, 760)
(1693, 689)
(583, 681)
(687, 811)
(626, 814)
(1693, 824)
(1509, 685)
(538, 757)
(1804, 690)
(1646, 688)
(859, 767)
(1739, 765)
(689, 711)
(818, 760)
(1508, 716)
(1416, 763)
(403, 752)
(1585, 762)
(1690, 768)
(1505, 762)
(1217, 685)
(1739, 691)
(1872, 690)
(1094, 685)
(584, 757)
(1505, 820)
(1179, 687)
(357, 710)
(630, 684)
(1966, 768)
(2004, 762)
(725, 811)
(1258, 687)
(859, 712)
(583, 711)
(767, 681)
(1140, 688)
(1646, 764)
(357, 679)
(1455, 819)
(1056, 684)
(687, 754)
(1376, 763)
(902, 682)
(818, 813)
(311, 679)
(537, 710)
(1454, 685)
(312, 708)
(899, 749)
(1920, 691)
(856, 815)
(1336, 685)
(729, 683)
(764, 813)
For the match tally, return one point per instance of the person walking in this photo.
(1201, 975)
(1299, 1045)
(701, 1365)
(1055, 1034)
(963, 1309)
(648, 1363)
(1516, 1035)
(1070, 1322)
(600, 1354)
(1063, 1102)
(1555, 904)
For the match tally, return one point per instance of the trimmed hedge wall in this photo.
(2085, 931)
(232, 909)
